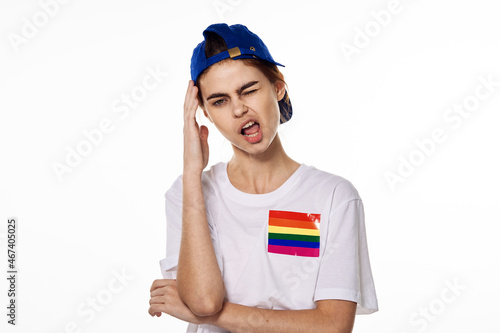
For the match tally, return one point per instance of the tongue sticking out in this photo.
(251, 130)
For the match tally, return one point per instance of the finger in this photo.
(157, 300)
(191, 102)
(186, 98)
(158, 292)
(190, 114)
(154, 311)
(156, 284)
(160, 283)
(188, 101)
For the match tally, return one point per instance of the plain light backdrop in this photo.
(402, 98)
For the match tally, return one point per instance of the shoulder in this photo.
(340, 188)
(214, 175)
(174, 193)
(208, 179)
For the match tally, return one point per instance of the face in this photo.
(243, 104)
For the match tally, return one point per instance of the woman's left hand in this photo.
(165, 298)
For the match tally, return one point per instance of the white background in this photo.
(356, 116)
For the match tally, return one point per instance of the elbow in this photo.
(204, 300)
(206, 306)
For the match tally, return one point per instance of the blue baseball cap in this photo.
(241, 44)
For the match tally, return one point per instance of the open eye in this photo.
(218, 102)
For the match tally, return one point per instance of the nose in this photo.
(239, 108)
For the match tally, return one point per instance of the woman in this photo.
(261, 243)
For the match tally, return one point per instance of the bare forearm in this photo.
(199, 278)
(243, 319)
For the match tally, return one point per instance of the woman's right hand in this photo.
(199, 280)
(195, 137)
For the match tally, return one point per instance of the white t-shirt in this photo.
(286, 249)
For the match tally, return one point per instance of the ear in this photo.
(280, 89)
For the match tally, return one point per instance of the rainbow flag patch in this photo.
(293, 233)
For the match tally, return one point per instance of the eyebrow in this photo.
(243, 87)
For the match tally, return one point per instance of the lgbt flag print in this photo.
(292, 233)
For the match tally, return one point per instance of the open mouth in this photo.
(251, 129)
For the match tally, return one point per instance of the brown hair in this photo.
(215, 44)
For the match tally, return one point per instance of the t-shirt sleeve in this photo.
(173, 212)
(345, 271)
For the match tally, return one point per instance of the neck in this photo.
(261, 173)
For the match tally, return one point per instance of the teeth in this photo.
(247, 125)
(251, 135)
